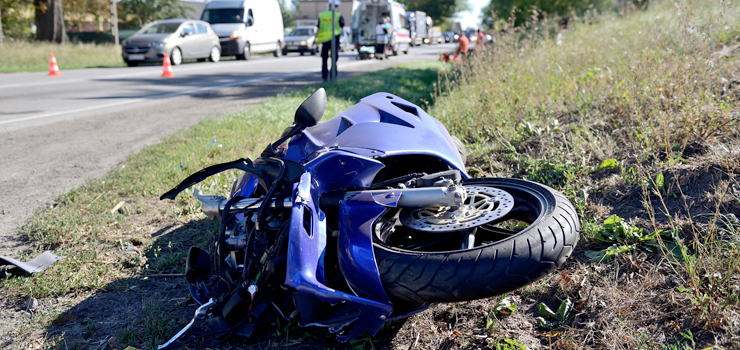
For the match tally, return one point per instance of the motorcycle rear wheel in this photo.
(432, 267)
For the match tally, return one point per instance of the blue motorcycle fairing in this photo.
(339, 169)
(244, 185)
(384, 123)
(355, 245)
(305, 267)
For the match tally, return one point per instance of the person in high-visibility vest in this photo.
(324, 35)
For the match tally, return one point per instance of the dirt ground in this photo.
(631, 301)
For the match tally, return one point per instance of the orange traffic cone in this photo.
(167, 67)
(53, 68)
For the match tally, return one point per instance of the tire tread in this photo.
(478, 273)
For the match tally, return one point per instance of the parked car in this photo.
(246, 26)
(180, 38)
(301, 40)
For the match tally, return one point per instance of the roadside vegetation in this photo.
(28, 56)
(635, 117)
(632, 115)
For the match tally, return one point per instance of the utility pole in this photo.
(333, 71)
(114, 21)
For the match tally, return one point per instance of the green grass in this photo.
(27, 56)
(83, 227)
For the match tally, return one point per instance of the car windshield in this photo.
(160, 28)
(223, 16)
(301, 32)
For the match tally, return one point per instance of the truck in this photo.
(417, 21)
(369, 14)
(428, 34)
(436, 37)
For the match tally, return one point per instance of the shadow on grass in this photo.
(411, 82)
(146, 310)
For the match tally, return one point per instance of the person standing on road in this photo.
(389, 30)
(481, 41)
(324, 35)
(381, 39)
(462, 49)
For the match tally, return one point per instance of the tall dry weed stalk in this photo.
(656, 81)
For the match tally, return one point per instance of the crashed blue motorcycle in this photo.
(364, 219)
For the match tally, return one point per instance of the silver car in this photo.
(301, 40)
(180, 38)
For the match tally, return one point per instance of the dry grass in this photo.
(32, 56)
(633, 114)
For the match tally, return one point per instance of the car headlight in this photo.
(235, 35)
(160, 44)
(304, 42)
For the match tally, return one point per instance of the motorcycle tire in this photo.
(492, 268)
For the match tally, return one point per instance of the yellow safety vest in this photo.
(325, 28)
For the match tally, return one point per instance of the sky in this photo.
(470, 19)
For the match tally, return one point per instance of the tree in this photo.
(139, 12)
(502, 8)
(1, 25)
(439, 10)
(79, 12)
(288, 20)
(50, 21)
(16, 18)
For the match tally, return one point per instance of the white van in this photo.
(245, 27)
(369, 15)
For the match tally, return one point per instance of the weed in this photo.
(623, 237)
(687, 344)
(510, 344)
(504, 307)
(549, 319)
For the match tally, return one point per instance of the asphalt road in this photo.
(56, 132)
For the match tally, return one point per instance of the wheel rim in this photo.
(176, 56)
(527, 209)
(215, 54)
(483, 205)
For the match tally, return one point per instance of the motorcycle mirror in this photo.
(198, 265)
(312, 109)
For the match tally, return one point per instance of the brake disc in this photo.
(483, 205)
